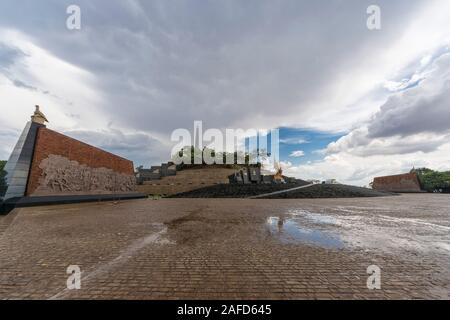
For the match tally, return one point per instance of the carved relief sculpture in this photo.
(61, 176)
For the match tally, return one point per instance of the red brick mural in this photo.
(63, 165)
(408, 182)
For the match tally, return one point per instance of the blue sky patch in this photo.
(308, 141)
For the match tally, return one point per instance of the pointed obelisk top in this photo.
(38, 116)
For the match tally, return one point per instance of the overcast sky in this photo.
(353, 103)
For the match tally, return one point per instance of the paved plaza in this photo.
(229, 249)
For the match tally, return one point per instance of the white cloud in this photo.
(417, 119)
(38, 77)
(297, 154)
(68, 95)
(411, 130)
(359, 170)
(294, 140)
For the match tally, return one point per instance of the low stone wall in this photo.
(187, 180)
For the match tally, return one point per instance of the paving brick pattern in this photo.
(225, 249)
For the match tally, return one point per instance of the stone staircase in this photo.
(187, 180)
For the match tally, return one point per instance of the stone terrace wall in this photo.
(63, 165)
(408, 182)
(187, 180)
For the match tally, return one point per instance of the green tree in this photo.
(433, 180)
(2, 179)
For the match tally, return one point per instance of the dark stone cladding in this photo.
(20, 162)
(23, 202)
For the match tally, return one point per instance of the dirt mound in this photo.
(237, 190)
(315, 191)
(330, 191)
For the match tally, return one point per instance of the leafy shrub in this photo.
(433, 180)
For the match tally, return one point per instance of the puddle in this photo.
(290, 230)
(352, 227)
(313, 217)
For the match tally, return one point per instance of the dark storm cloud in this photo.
(415, 120)
(405, 117)
(21, 84)
(423, 109)
(161, 64)
(164, 64)
(8, 56)
(142, 148)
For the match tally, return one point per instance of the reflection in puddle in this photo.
(314, 217)
(289, 230)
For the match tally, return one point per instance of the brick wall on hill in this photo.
(63, 165)
(408, 182)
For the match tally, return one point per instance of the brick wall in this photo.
(408, 182)
(49, 142)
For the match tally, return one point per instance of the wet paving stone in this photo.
(230, 249)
